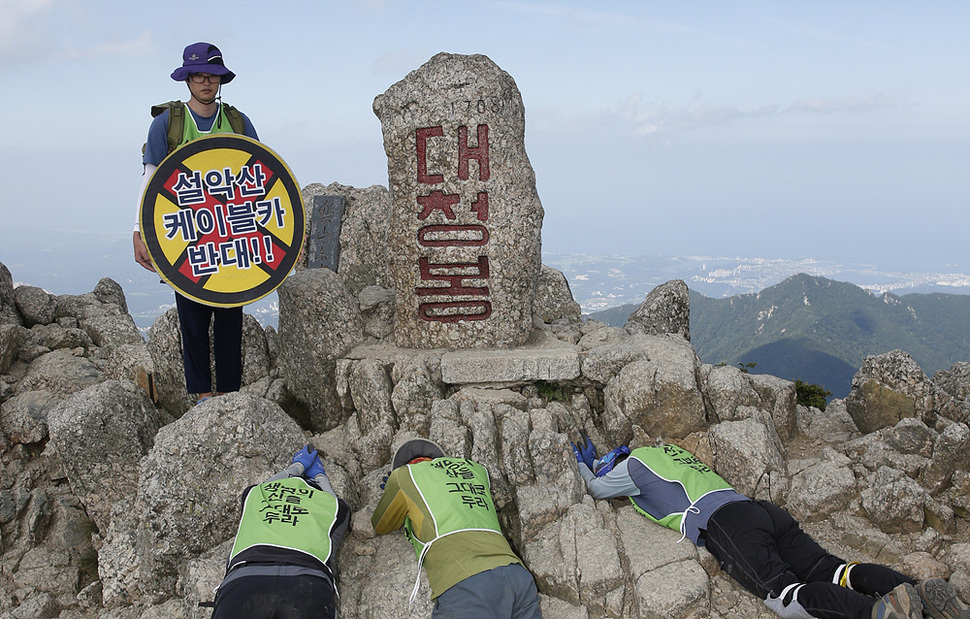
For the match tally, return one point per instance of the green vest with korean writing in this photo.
(458, 496)
(290, 514)
(677, 490)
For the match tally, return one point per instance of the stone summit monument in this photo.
(465, 224)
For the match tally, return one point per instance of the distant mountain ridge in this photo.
(602, 282)
(819, 330)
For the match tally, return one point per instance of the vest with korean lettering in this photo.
(289, 514)
(677, 490)
(457, 493)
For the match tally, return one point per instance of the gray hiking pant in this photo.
(507, 591)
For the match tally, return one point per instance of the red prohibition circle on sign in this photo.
(223, 220)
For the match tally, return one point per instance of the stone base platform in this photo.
(490, 366)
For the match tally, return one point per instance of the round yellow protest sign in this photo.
(223, 220)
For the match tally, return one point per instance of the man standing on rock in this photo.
(758, 543)
(175, 124)
(446, 508)
(282, 561)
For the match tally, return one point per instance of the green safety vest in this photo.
(177, 132)
(458, 495)
(289, 514)
(675, 484)
(191, 132)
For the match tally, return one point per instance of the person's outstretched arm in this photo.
(617, 482)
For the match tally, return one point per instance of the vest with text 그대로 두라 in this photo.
(458, 495)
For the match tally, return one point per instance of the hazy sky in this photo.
(815, 129)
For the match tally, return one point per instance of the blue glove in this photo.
(383, 481)
(316, 468)
(585, 453)
(306, 457)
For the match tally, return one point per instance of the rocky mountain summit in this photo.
(119, 498)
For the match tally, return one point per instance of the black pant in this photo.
(276, 597)
(194, 321)
(762, 547)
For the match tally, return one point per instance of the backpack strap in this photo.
(176, 121)
(235, 119)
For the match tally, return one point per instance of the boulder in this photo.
(132, 362)
(102, 314)
(110, 292)
(659, 393)
(726, 388)
(834, 425)
(35, 305)
(605, 359)
(61, 373)
(165, 349)
(778, 398)
(665, 310)
(554, 301)
(822, 488)
(668, 581)
(12, 339)
(48, 570)
(888, 388)
(749, 455)
(577, 559)
(386, 563)
(188, 492)
(377, 310)
(100, 435)
(23, 418)
(956, 383)
(415, 391)
(319, 323)
(894, 502)
(950, 453)
(54, 336)
(168, 370)
(370, 388)
(8, 303)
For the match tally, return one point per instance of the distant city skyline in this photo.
(826, 130)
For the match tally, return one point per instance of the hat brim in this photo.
(416, 448)
(182, 73)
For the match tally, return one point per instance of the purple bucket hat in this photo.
(202, 58)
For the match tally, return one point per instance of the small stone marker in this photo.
(324, 237)
(465, 229)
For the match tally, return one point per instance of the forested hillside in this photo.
(819, 330)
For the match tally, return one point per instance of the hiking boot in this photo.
(940, 600)
(903, 602)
